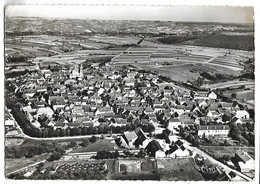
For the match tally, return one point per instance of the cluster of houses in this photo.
(70, 96)
(157, 148)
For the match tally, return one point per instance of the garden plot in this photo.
(180, 169)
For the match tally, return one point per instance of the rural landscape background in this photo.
(129, 100)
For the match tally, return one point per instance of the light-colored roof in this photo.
(130, 135)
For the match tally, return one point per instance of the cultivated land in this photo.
(178, 170)
(99, 64)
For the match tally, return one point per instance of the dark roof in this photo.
(179, 142)
(234, 119)
(182, 147)
(172, 149)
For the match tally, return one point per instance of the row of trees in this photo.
(91, 130)
(106, 154)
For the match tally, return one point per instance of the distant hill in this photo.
(36, 26)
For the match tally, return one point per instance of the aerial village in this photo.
(137, 109)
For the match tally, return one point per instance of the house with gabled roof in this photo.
(130, 138)
(148, 110)
(212, 114)
(154, 147)
(173, 123)
(177, 150)
(212, 95)
(236, 120)
(45, 110)
(142, 141)
(226, 105)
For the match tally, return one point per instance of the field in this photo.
(234, 83)
(183, 63)
(15, 164)
(246, 95)
(135, 170)
(87, 40)
(32, 142)
(100, 145)
(219, 151)
(178, 170)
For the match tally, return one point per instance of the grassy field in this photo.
(15, 164)
(32, 142)
(219, 151)
(241, 94)
(100, 145)
(180, 169)
(187, 72)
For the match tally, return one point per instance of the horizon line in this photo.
(63, 18)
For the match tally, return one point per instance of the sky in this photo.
(164, 13)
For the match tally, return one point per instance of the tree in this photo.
(233, 95)
(62, 132)
(101, 129)
(106, 129)
(73, 131)
(145, 127)
(128, 127)
(116, 154)
(54, 156)
(68, 132)
(95, 130)
(195, 142)
(84, 131)
(151, 128)
(79, 131)
(89, 130)
(46, 97)
(72, 144)
(85, 143)
(226, 157)
(57, 132)
(93, 139)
